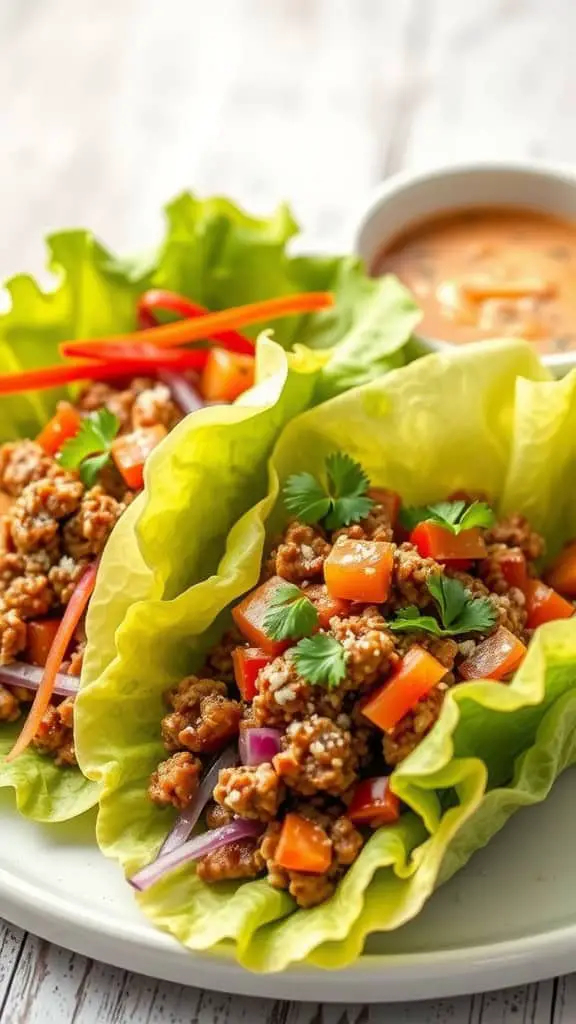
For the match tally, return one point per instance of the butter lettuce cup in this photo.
(297, 750)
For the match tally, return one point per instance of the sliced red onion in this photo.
(187, 820)
(29, 677)
(194, 849)
(259, 745)
(182, 391)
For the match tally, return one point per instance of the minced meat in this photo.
(204, 719)
(301, 554)
(317, 756)
(55, 736)
(176, 780)
(241, 859)
(250, 792)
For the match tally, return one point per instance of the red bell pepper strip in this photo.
(72, 615)
(68, 373)
(434, 541)
(562, 575)
(373, 803)
(514, 568)
(130, 451)
(226, 375)
(150, 355)
(183, 332)
(64, 424)
(157, 298)
(247, 663)
(414, 676)
(544, 604)
(496, 657)
(326, 605)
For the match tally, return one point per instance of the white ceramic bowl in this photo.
(410, 197)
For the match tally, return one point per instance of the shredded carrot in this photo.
(74, 611)
(67, 373)
(181, 332)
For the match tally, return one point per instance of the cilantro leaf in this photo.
(454, 516)
(91, 443)
(290, 614)
(321, 660)
(343, 501)
(459, 611)
(306, 498)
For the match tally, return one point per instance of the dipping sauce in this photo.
(491, 272)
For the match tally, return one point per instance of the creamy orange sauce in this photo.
(493, 272)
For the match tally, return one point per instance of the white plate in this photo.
(509, 918)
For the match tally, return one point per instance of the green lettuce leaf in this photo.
(494, 747)
(219, 255)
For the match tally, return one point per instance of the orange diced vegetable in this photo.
(250, 613)
(73, 613)
(373, 803)
(130, 452)
(562, 575)
(434, 541)
(39, 639)
(514, 568)
(226, 375)
(326, 605)
(303, 846)
(64, 424)
(414, 676)
(495, 658)
(359, 570)
(389, 499)
(544, 604)
(247, 663)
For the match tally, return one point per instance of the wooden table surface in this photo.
(110, 107)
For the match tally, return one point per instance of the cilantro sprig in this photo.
(454, 516)
(89, 450)
(290, 614)
(321, 660)
(459, 612)
(339, 502)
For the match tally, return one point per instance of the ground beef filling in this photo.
(51, 529)
(327, 743)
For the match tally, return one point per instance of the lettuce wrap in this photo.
(494, 747)
(215, 253)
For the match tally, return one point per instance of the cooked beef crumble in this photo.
(51, 529)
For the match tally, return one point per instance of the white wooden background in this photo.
(108, 107)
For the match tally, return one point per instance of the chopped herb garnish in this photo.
(343, 500)
(454, 516)
(290, 614)
(459, 612)
(89, 450)
(321, 660)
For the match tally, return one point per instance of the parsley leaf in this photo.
(89, 450)
(459, 611)
(343, 501)
(321, 660)
(290, 614)
(452, 515)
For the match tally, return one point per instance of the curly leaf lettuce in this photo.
(494, 747)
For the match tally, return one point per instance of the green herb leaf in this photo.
(459, 611)
(454, 516)
(342, 502)
(321, 660)
(91, 443)
(290, 614)
(306, 498)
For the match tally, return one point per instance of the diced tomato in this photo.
(414, 676)
(247, 663)
(562, 575)
(514, 568)
(303, 846)
(389, 499)
(373, 803)
(250, 613)
(434, 541)
(39, 639)
(544, 604)
(359, 570)
(326, 605)
(226, 375)
(130, 452)
(495, 658)
(64, 424)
